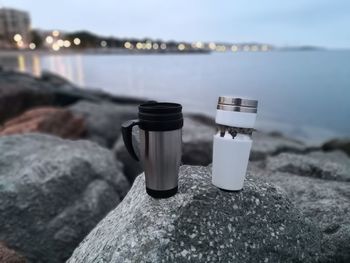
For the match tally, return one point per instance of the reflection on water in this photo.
(70, 67)
(21, 63)
(303, 94)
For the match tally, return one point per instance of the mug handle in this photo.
(127, 136)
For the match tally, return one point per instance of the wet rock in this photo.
(318, 184)
(103, 120)
(67, 93)
(202, 224)
(53, 192)
(338, 144)
(20, 94)
(8, 255)
(272, 144)
(56, 121)
(329, 166)
(197, 147)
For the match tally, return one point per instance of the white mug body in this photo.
(230, 161)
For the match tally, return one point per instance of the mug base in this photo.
(161, 194)
(230, 191)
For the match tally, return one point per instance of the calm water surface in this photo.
(303, 94)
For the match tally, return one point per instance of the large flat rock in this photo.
(318, 184)
(53, 192)
(202, 224)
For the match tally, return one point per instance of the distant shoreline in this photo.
(11, 53)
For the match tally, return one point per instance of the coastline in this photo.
(97, 51)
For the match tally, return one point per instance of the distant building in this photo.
(14, 22)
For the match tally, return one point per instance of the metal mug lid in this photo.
(228, 103)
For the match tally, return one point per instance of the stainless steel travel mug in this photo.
(160, 126)
(235, 118)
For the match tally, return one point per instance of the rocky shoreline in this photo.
(65, 179)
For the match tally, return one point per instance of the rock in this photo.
(53, 192)
(103, 120)
(329, 166)
(273, 144)
(56, 121)
(202, 224)
(67, 93)
(197, 145)
(320, 188)
(338, 144)
(10, 256)
(18, 95)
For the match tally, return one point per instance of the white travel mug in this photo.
(235, 118)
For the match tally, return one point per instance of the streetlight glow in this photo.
(66, 43)
(212, 46)
(32, 46)
(103, 43)
(49, 39)
(17, 38)
(77, 41)
(127, 44)
(139, 45)
(55, 33)
(155, 46)
(55, 47)
(181, 47)
(60, 42)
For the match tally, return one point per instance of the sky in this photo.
(323, 23)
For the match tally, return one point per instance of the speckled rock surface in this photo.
(317, 183)
(53, 192)
(202, 224)
(272, 144)
(104, 120)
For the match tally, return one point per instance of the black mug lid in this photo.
(160, 116)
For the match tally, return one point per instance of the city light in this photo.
(20, 44)
(212, 46)
(163, 46)
(155, 46)
(255, 48)
(148, 45)
(66, 43)
(17, 38)
(103, 43)
(127, 44)
(199, 44)
(181, 47)
(55, 33)
(265, 48)
(55, 47)
(139, 45)
(76, 41)
(60, 42)
(32, 46)
(220, 48)
(49, 39)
